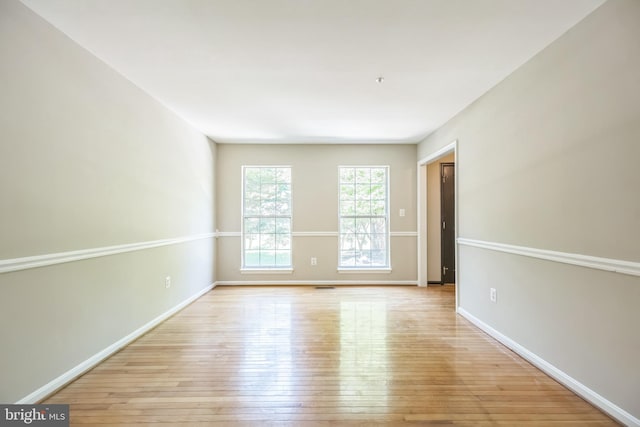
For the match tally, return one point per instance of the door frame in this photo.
(452, 147)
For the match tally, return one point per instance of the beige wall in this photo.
(88, 160)
(315, 207)
(548, 159)
(434, 271)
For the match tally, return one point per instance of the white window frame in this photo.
(267, 267)
(386, 267)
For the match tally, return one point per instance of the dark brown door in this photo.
(448, 222)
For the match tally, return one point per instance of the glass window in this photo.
(364, 217)
(266, 217)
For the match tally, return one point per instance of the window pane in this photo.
(378, 175)
(378, 192)
(378, 225)
(363, 207)
(252, 208)
(251, 225)
(363, 225)
(363, 192)
(347, 225)
(252, 177)
(251, 241)
(363, 214)
(283, 258)
(363, 175)
(378, 207)
(267, 225)
(347, 242)
(251, 202)
(282, 241)
(283, 175)
(363, 241)
(268, 175)
(283, 199)
(378, 241)
(282, 208)
(266, 217)
(348, 259)
(267, 191)
(347, 192)
(283, 226)
(347, 208)
(378, 257)
(267, 199)
(363, 258)
(347, 175)
(267, 257)
(267, 241)
(252, 258)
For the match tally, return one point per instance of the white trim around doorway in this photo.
(422, 210)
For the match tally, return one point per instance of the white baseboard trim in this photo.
(17, 264)
(83, 367)
(577, 387)
(607, 264)
(315, 282)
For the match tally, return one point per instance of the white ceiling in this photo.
(304, 71)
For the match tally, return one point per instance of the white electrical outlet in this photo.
(493, 295)
(167, 282)
(314, 260)
(402, 212)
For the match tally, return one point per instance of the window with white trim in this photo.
(364, 217)
(266, 217)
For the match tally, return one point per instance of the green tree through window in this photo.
(266, 217)
(364, 217)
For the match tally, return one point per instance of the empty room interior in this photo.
(321, 212)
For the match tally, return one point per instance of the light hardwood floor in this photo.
(303, 356)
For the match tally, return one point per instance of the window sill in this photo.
(266, 270)
(360, 270)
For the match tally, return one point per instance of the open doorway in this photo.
(432, 226)
(447, 222)
(440, 195)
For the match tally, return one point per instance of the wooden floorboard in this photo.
(394, 355)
